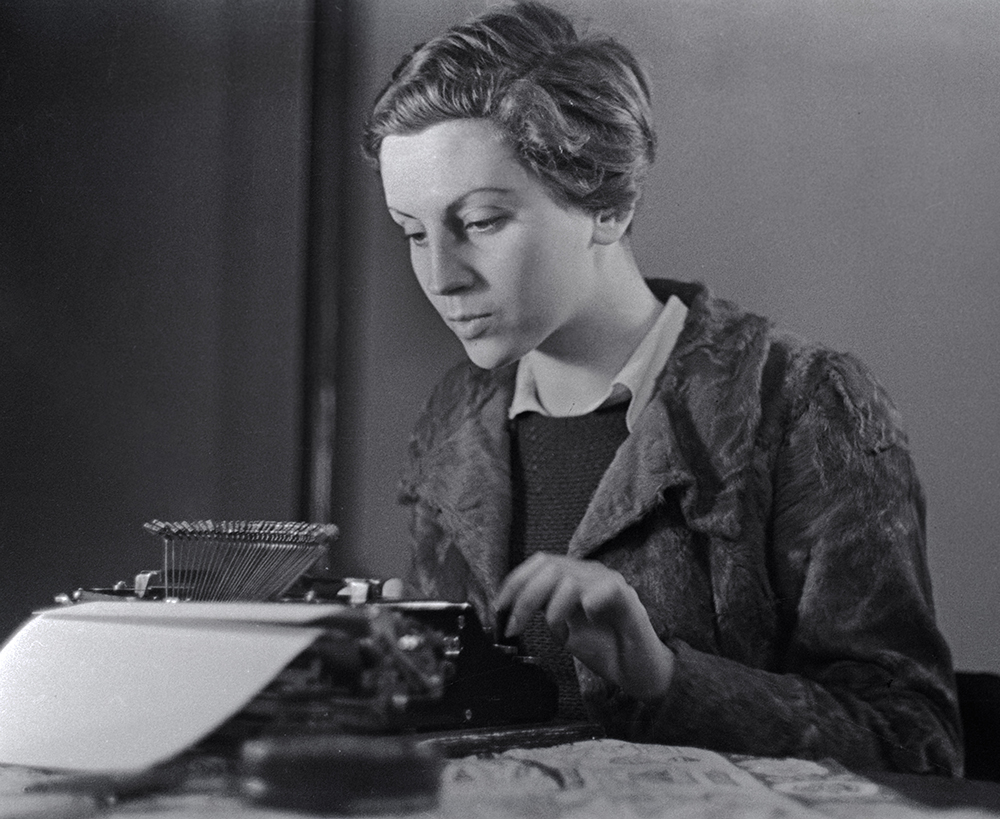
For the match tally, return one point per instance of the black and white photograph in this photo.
(500, 408)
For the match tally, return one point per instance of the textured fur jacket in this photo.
(766, 510)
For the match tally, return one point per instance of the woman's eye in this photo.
(417, 238)
(484, 225)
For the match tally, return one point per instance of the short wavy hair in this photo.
(576, 108)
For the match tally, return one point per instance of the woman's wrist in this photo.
(652, 674)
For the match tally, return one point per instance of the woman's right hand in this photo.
(595, 614)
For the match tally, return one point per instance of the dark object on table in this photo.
(489, 741)
(341, 774)
(979, 704)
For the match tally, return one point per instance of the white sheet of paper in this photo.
(120, 686)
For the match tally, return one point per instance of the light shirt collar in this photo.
(635, 382)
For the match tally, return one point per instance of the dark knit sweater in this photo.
(556, 464)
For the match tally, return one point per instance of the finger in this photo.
(563, 606)
(515, 581)
(606, 602)
(533, 596)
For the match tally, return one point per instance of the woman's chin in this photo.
(487, 354)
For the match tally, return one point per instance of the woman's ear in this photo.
(610, 226)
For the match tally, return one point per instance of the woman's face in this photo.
(508, 268)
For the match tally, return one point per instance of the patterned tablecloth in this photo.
(601, 779)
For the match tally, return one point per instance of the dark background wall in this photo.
(152, 197)
(834, 165)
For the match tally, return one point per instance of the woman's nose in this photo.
(447, 270)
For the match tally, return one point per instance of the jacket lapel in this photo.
(467, 476)
(648, 463)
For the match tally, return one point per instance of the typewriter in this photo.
(238, 637)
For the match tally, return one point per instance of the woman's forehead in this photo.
(447, 161)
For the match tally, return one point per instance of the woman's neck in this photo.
(576, 367)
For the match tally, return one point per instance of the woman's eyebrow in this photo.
(459, 201)
(484, 189)
(465, 197)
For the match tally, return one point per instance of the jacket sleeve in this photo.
(862, 673)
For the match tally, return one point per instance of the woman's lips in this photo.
(469, 325)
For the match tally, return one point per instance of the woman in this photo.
(710, 531)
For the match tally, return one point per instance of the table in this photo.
(590, 779)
